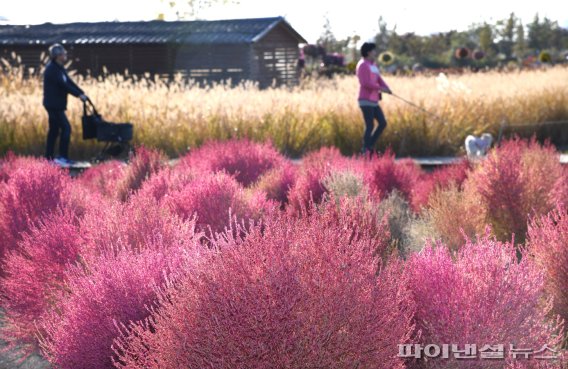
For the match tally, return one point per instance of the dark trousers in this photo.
(58, 122)
(370, 113)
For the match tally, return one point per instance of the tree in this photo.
(506, 32)
(383, 37)
(486, 38)
(520, 47)
(508, 37)
(354, 52)
(327, 38)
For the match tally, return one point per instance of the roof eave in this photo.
(276, 23)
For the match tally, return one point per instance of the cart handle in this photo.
(92, 106)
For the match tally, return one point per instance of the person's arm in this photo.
(366, 78)
(63, 81)
(383, 86)
(74, 86)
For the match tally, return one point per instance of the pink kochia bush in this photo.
(439, 179)
(143, 165)
(278, 182)
(314, 169)
(517, 180)
(114, 289)
(548, 242)
(296, 292)
(132, 225)
(384, 174)
(483, 295)
(35, 189)
(35, 271)
(245, 160)
(216, 198)
(10, 163)
(103, 178)
(168, 181)
(35, 276)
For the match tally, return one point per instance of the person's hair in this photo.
(366, 48)
(55, 50)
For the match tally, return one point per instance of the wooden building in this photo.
(263, 49)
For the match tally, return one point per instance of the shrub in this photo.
(246, 160)
(456, 214)
(548, 242)
(112, 289)
(383, 175)
(33, 190)
(518, 179)
(132, 225)
(215, 199)
(440, 178)
(408, 231)
(145, 163)
(167, 181)
(314, 169)
(325, 158)
(295, 293)
(484, 296)
(345, 183)
(35, 276)
(9, 164)
(103, 178)
(308, 188)
(277, 182)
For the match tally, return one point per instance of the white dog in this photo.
(478, 146)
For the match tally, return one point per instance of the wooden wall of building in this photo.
(273, 59)
(276, 57)
(213, 62)
(137, 59)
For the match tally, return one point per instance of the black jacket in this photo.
(56, 85)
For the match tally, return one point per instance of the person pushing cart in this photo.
(56, 86)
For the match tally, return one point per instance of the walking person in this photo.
(56, 86)
(371, 86)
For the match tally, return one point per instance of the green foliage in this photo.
(501, 42)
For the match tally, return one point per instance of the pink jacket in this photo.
(370, 83)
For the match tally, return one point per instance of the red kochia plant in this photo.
(113, 289)
(482, 296)
(308, 187)
(276, 183)
(442, 178)
(297, 292)
(103, 178)
(214, 199)
(548, 242)
(9, 164)
(35, 276)
(383, 175)
(168, 181)
(314, 169)
(244, 159)
(34, 189)
(132, 225)
(145, 163)
(518, 179)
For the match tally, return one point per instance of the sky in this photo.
(307, 17)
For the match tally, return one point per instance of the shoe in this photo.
(64, 162)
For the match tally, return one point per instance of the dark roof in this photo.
(234, 31)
